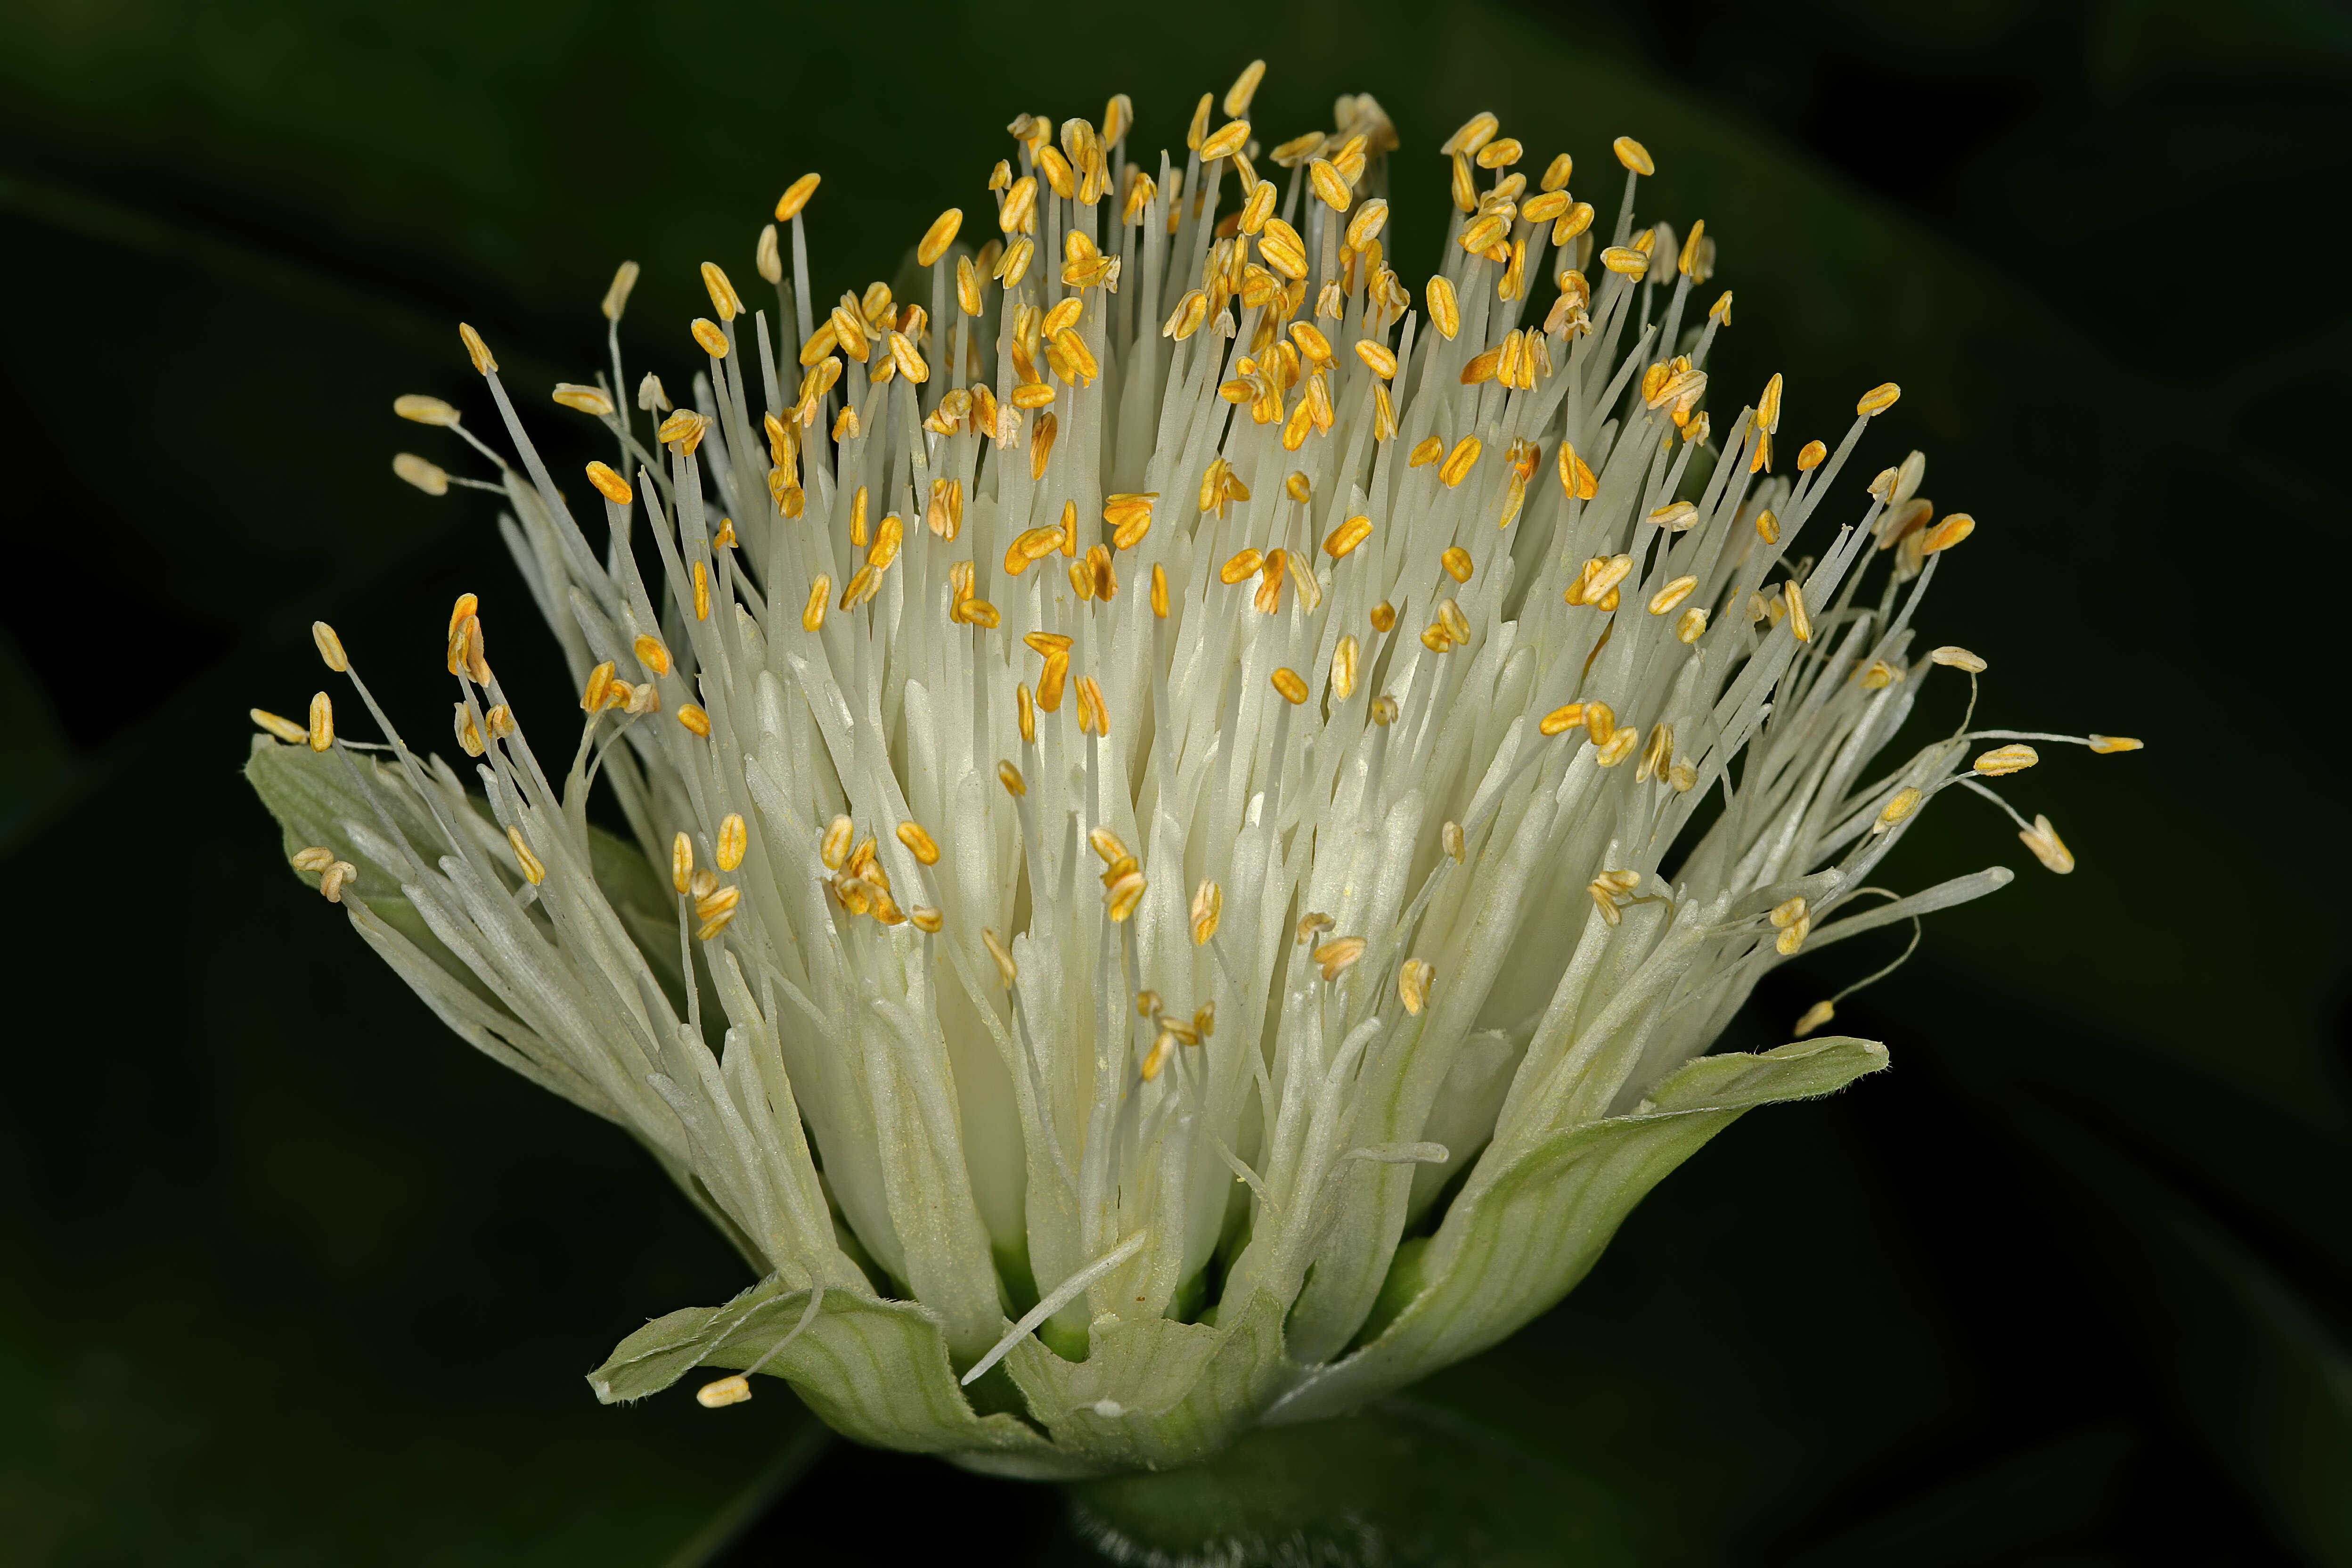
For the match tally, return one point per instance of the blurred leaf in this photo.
(2039, 1496)
(2262, 1379)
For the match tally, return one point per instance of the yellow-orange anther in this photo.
(609, 484)
(477, 349)
(1459, 461)
(533, 871)
(723, 297)
(1801, 621)
(321, 733)
(923, 847)
(2013, 758)
(1633, 156)
(1878, 399)
(1458, 563)
(796, 197)
(1947, 532)
(1559, 720)
(1208, 909)
(695, 719)
(1347, 536)
(938, 236)
(1444, 310)
(416, 407)
(1292, 685)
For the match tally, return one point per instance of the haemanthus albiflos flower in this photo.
(1191, 821)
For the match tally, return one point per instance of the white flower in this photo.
(1193, 822)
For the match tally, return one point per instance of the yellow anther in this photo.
(723, 297)
(1957, 659)
(2013, 758)
(1572, 223)
(685, 429)
(1335, 957)
(1633, 156)
(812, 613)
(1676, 516)
(1158, 591)
(1577, 480)
(1900, 804)
(1292, 685)
(1500, 154)
(2047, 847)
(1459, 461)
(1347, 536)
(1810, 457)
(938, 236)
(796, 197)
(1413, 979)
(1129, 517)
(1208, 909)
(617, 297)
(429, 476)
(585, 399)
(1800, 620)
(887, 539)
(1475, 133)
(1546, 207)
(1450, 838)
(1673, 594)
(1458, 563)
(651, 653)
(1241, 568)
(1625, 261)
(1365, 225)
(321, 733)
(1186, 319)
(1878, 399)
(1329, 186)
(331, 647)
(733, 839)
(1244, 87)
(1482, 367)
(1656, 753)
(2105, 744)
(1225, 141)
(768, 256)
(338, 876)
(477, 349)
(726, 1391)
(533, 871)
(1618, 747)
(1051, 679)
(610, 484)
(1267, 600)
(314, 859)
(1817, 1015)
(1560, 721)
(1041, 445)
(1123, 895)
(1946, 533)
(284, 728)
(920, 843)
(1444, 310)
(695, 719)
(681, 863)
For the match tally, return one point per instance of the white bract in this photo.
(1192, 823)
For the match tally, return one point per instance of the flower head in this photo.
(1193, 810)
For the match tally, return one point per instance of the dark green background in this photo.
(289, 1276)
